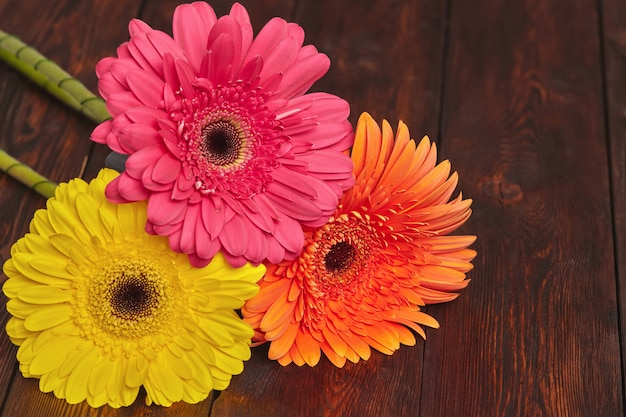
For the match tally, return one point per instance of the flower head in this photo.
(100, 308)
(224, 144)
(362, 277)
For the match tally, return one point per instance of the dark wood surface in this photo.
(526, 98)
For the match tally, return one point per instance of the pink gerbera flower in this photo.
(224, 144)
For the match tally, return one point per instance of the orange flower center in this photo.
(346, 248)
(340, 257)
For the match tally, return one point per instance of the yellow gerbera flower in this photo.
(101, 308)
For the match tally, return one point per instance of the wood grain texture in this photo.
(536, 333)
(614, 37)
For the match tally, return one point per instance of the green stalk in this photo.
(51, 77)
(26, 175)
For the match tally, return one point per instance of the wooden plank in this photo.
(614, 36)
(386, 59)
(536, 332)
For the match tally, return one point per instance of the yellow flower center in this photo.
(129, 298)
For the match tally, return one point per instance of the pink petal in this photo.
(150, 184)
(323, 136)
(185, 77)
(296, 32)
(324, 106)
(324, 196)
(184, 188)
(188, 232)
(220, 70)
(327, 160)
(292, 203)
(164, 44)
(163, 210)
(125, 189)
(251, 70)
(271, 83)
(266, 40)
(265, 206)
(172, 84)
(108, 84)
(136, 26)
(241, 15)
(290, 235)
(119, 102)
(149, 90)
(170, 140)
(191, 26)
(212, 218)
(139, 161)
(257, 245)
(227, 26)
(206, 247)
(235, 261)
(136, 136)
(174, 240)
(163, 230)
(104, 65)
(281, 57)
(146, 116)
(275, 251)
(256, 215)
(100, 133)
(144, 54)
(166, 170)
(299, 77)
(120, 68)
(234, 237)
(198, 262)
(296, 181)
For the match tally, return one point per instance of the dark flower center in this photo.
(133, 297)
(221, 143)
(340, 257)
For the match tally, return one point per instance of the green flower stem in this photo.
(51, 77)
(26, 175)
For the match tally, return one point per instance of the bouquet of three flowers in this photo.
(239, 191)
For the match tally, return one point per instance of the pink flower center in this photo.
(229, 140)
(222, 143)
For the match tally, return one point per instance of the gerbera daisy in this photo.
(224, 144)
(100, 308)
(361, 277)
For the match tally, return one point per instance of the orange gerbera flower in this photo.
(361, 278)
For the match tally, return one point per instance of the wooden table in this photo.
(527, 99)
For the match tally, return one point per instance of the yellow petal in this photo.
(44, 294)
(165, 382)
(99, 377)
(48, 316)
(77, 383)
